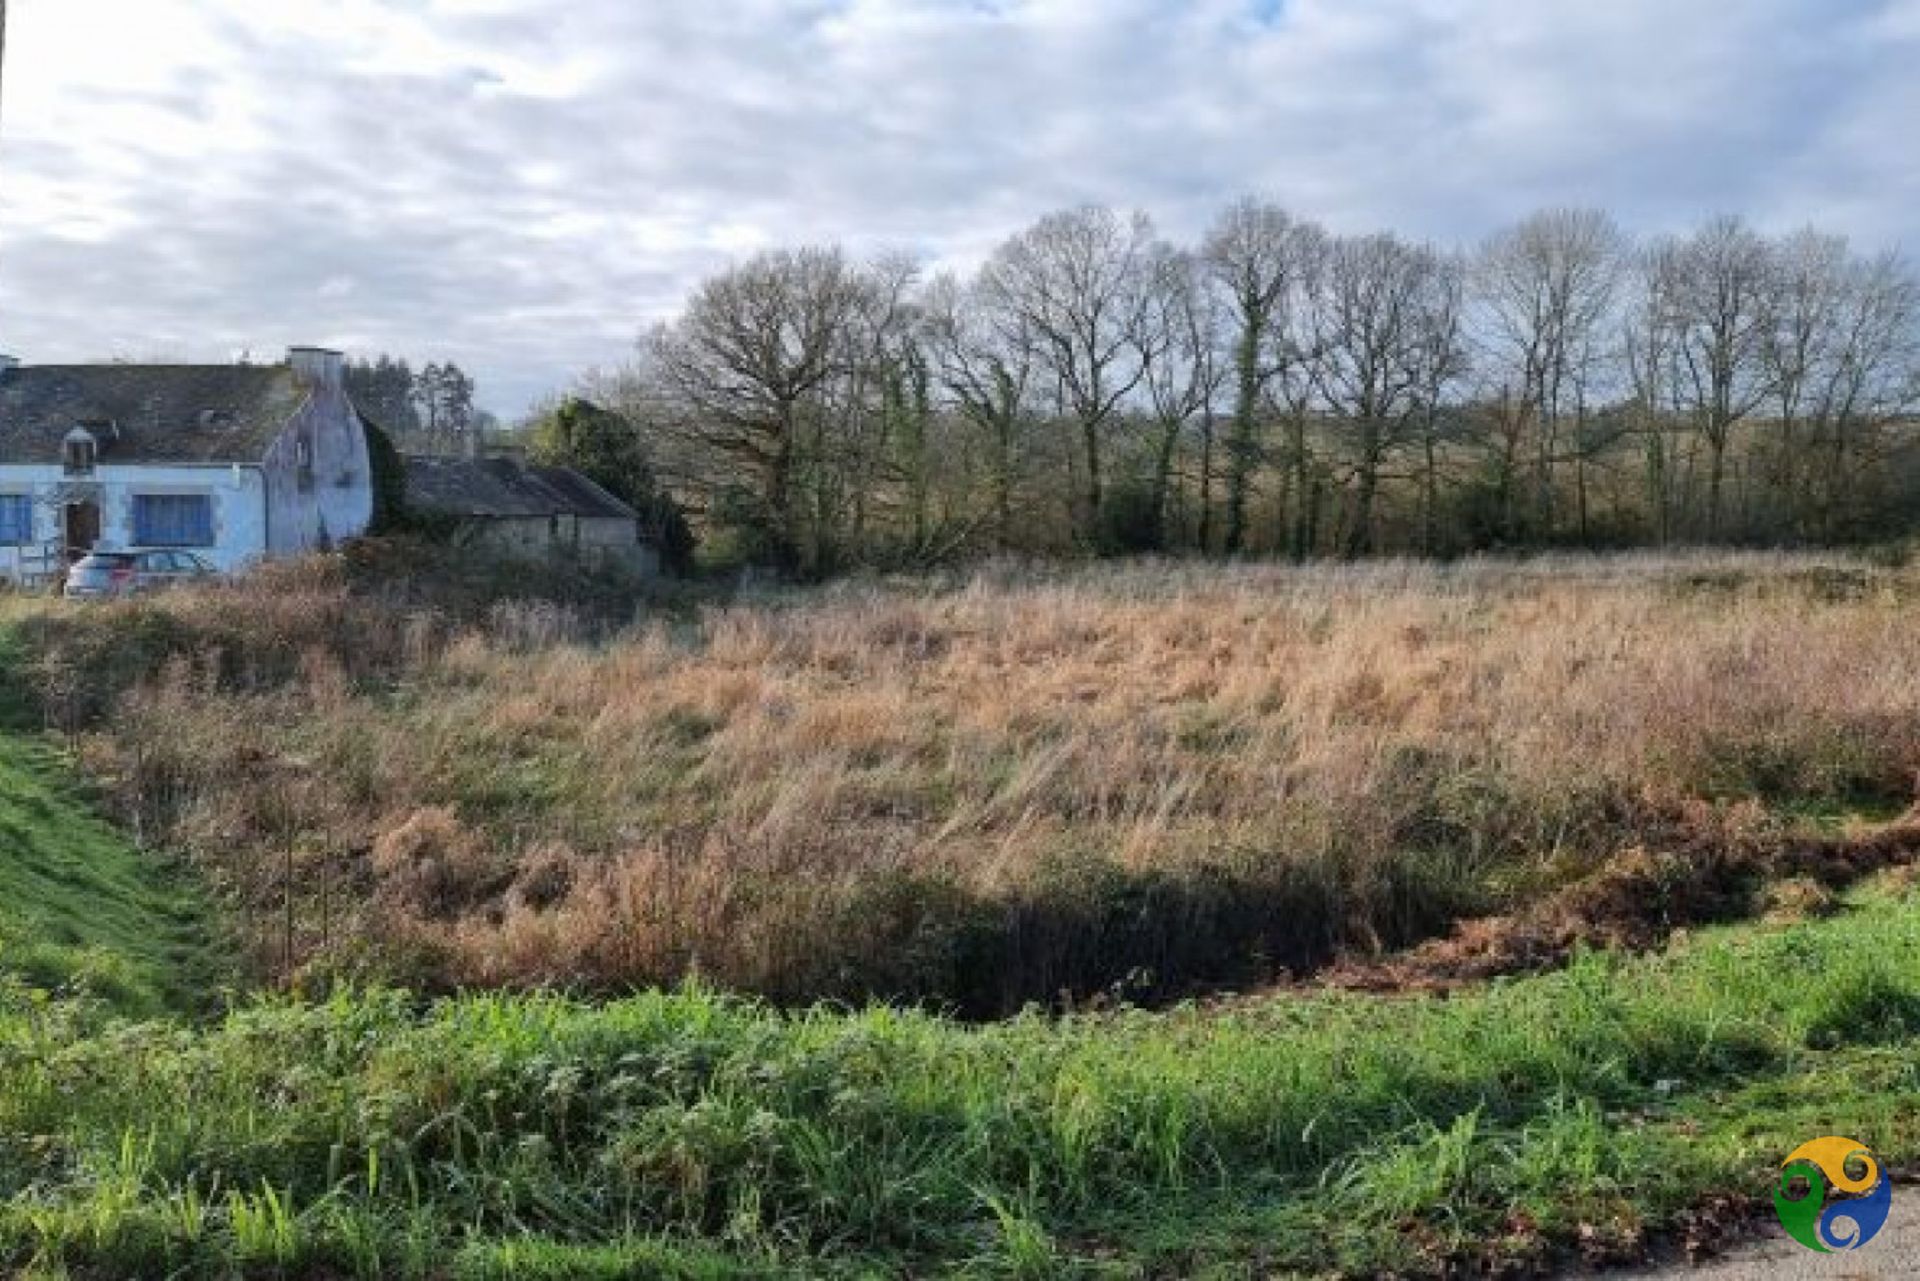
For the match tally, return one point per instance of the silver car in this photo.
(99, 574)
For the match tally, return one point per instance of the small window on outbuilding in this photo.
(80, 452)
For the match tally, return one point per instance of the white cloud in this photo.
(521, 185)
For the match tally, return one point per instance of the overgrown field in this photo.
(1576, 1115)
(978, 791)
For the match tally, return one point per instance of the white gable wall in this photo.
(238, 495)
(328, 497)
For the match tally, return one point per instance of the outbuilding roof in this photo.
(147, 413)
(492, 488)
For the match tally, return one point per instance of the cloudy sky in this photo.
(523, 185)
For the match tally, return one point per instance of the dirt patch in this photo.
(1637, 902)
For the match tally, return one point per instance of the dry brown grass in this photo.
(993, 789)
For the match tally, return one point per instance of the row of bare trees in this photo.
(1280, 388)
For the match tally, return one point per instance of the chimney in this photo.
(321, 366)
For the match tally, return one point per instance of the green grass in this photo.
(688, 1134)
(80, 907)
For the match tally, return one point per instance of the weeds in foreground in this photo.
(1578, 1114)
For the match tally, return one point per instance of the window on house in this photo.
(173, 520)
(16, 520)
(80, 452)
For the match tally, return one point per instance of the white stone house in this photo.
(232, 462)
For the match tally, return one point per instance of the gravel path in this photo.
(1895, 1252)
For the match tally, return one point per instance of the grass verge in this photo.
(82, 910)
(1535, 1121)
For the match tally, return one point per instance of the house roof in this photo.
(147, 413)
(504, 487)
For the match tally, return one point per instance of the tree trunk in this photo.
(1003, 484)
(1429, 499)
(1163, 482)
(1360, 537)
(1716, 476)
(1204, 535)
(781, 535)
(1580, 492)
(1240, 445)
(1095, 494)
(1305, 516)
(1311, 516)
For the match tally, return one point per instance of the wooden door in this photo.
(82, 529)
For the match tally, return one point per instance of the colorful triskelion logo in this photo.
(1851, 1176)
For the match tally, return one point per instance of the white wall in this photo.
(238, 493)
(331, 499)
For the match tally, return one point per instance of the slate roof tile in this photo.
(147, 413)
(502, 487)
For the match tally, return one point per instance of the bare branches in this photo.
(1093, 386)
(1077, 282)
(1261, 261)
(749, 356)
(1545, 289)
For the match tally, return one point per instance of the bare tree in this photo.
(1294, 352)
(1869, 380)
(1646, 346)
(1092, 380)
(1806, 348)
(1546, 288)
(1179, 344)
(1076, 281)
(1439, 354)
(869, 439)
(1256, 255)
(747, 362)
(985, 359)
(1371, 362)
(1717, 286)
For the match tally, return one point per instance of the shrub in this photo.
(433, 866)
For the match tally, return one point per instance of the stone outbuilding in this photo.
(530, 511)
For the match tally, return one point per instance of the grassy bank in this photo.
(976, 792)
(81, 910)
(1555, 1118)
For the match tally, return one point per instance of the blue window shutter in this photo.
(197, 522)
(173, 520)
(16, 520)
